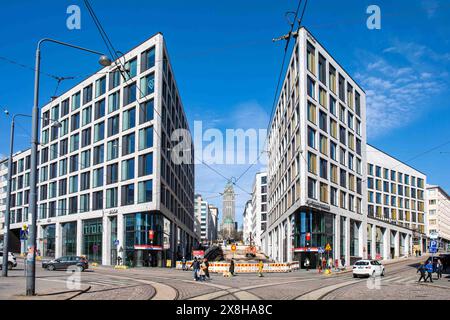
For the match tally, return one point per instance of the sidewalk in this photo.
(14, 287)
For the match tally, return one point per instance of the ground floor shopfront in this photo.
(146, 239)
(314, 234)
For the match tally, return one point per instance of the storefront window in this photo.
(379, 243)
(69, 239)
(113, 221)
(49, 240)
(92, 239)
(354, 238)
(342, 230)
(369, 241)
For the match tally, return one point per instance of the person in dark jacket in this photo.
(429, 267)
(439, 269)
(231, 270)
(422, 271)
(206, 262)
(196, 267)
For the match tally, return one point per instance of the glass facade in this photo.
(69, 239)
(92, 240)
(147, 239)
(49, 232)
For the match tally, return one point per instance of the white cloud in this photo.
(397, 92)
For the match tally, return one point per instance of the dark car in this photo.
(65, 262)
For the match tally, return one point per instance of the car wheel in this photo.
(51, 267)
(10, 265)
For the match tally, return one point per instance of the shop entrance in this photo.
(147, 258)
(312, 256)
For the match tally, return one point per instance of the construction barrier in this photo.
(221, 267)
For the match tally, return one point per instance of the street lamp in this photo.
(8, 190)
(31, 257)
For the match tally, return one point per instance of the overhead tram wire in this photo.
(113, 53)
(274, 103)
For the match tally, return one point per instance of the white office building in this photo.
(201, 214)
(213, 222)
(259, 207)
(317, 160)
(107, 184)
(439, 215)
(396, 207)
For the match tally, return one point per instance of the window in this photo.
(111, 198)
(73, 165)
(99, 131)
(62, 187)
(97, 200)
(311, 58)
(113, 126)
(323, 121)
(311, 138)
(343, 178)
(322, 70)
(131, 68)
(333, 196)
(323, 192)
(112, 173)
(98, 155)
(73, 184)
(86, 137)
(312, 166)
(341, 88)
(311, 112)
(87, 94)
(148, 59)
(127, 195)
(333, 151)
(97, 178)
(342, 135)
(129, 119)
(100, 86)
(85, 159)
(311, 88)
(147, 85)
(333, 106)
(99, 109)
(332, 78)
(129, 94)
(323, 145)
(146, 111)
(62, 167)
(127, 169)
(334, 173)
(114, 102)
(333, 128)
(323, 169)
(65, 108)
(357, 103)
(128, 144)
(114, 79)
(76, 101)
(322, 97)
(312, 188)
(73, 205)
(85, 181)
(74, 142)
(145, 165)
(84, 203)
(113, 149)
(145, 191)
(146, 138)
(75, 122)
(64, 127)
(86, 116)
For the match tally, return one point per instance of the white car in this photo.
(12, 262)
(368, 268)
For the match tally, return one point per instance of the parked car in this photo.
(63, 263)
(367, 268)
(12, 262)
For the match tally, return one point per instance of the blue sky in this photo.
(226, 66)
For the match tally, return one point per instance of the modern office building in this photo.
(396, 207)
(20, 191)
(259, 207)
(228, 211)
(3, 185)
(108, 187)
(247, 217)
(201, 216)
(439, 215)
(213, 222)
(317, 160)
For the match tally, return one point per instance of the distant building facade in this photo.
(438, 216)
(228, 211)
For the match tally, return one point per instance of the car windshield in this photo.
(362, 263)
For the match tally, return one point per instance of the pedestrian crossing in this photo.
(400, 279)
(111, 282)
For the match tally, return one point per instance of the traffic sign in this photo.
(433, 246)
(116, 242)
(328, 247)
(233, 247)
(320, 250)
(434, 235)
(24, 234)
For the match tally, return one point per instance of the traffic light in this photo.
(308, 239)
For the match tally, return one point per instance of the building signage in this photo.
(198, 253)
(318, 205)
(147, 247)
(113, 211)
(434, 235)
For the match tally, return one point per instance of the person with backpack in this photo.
(422, 271)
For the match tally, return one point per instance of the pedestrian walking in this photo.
(195, 266)
(307, 264)
(429, 267)
(206, 263)
(343, 262)
(231, 269)
(260, 268)
(201, 271)
(422, 271)
(439, 268)
(183, 263)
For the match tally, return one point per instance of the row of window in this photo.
(392, 175)
(392, 187)
(394, 201)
